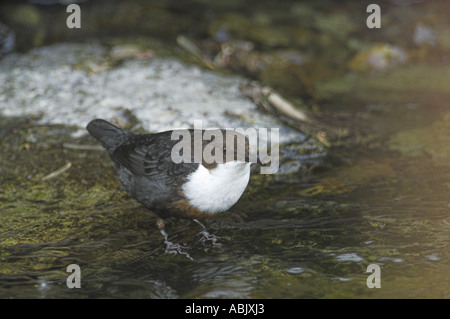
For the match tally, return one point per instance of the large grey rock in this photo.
(69, 84)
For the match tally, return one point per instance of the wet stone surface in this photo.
(373, 191)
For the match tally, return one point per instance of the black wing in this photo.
(150, 156)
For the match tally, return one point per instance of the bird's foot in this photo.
(205, 236)
(172, 248)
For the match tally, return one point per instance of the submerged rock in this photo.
(26, 22)
(7, 40)
(424, 35)
(72, 83)
(378, 58)
(430, 141)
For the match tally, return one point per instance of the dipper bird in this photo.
(193, 189)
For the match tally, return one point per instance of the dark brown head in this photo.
(221, 146)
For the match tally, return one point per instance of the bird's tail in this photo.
(109, 135)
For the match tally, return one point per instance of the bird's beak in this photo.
(249, 159)
(258, 160)
(252, 160)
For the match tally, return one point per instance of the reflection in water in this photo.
(288, 245)
(309, 232)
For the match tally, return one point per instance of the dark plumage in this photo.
(147, 172)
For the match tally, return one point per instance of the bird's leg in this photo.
(206, 236)
(171, 248)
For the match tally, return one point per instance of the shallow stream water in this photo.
(378, 198)
(309, 235)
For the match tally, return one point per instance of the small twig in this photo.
(277, 105)
(58, 171)
(193, 49)
(83, 147)
(283, 106)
